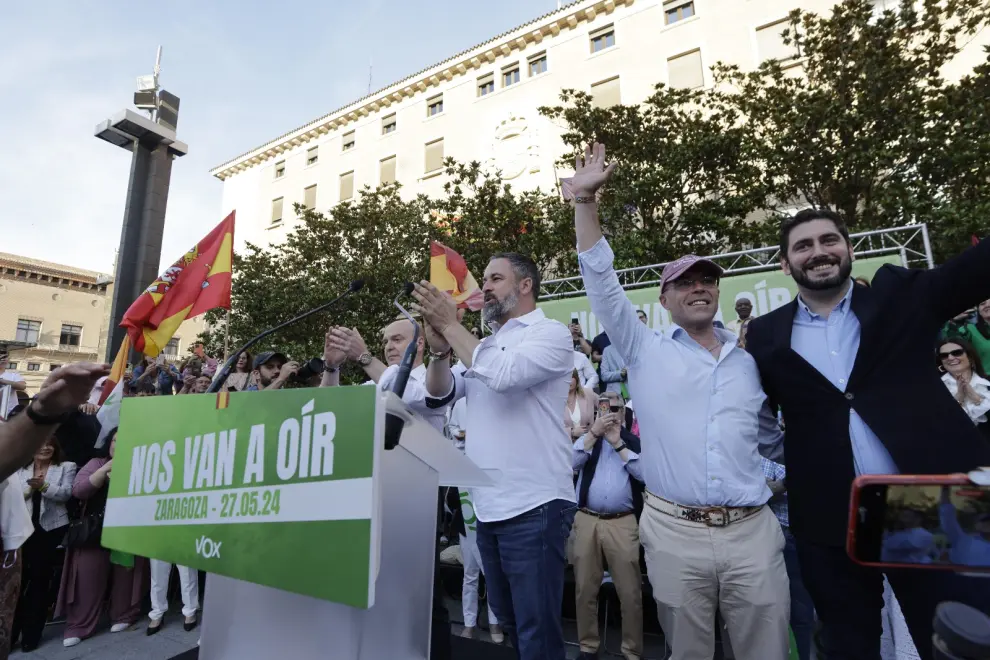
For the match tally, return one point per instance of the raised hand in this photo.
(348, 341)
(332, 356)
(68, 387)
(590, 172)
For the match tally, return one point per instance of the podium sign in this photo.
(275, 488)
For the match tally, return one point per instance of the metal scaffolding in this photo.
(910, 243)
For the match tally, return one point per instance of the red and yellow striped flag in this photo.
(198, 282)
(117, 370)
(449, 272)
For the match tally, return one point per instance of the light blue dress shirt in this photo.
(830, 346)
(610, 490)
(703, 421)
(612, 366)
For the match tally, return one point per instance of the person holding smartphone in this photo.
(610, 498)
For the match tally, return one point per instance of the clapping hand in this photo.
(347, 341)
(435, 306)
(333, 356)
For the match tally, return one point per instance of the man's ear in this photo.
(663, 301)
(785, 266)
(526, 286)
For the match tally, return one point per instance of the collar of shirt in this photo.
(804, 312)
(526, 319)
(679, 334)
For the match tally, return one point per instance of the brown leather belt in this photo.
(713, 516)
(606, 516)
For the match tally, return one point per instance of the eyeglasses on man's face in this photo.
(689, 283)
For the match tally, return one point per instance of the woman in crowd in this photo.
(580, 412)
(976, 332)
(963, 374)
(88, 567)
(241, 377)
(47, 484)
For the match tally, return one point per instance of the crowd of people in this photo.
(642, 447)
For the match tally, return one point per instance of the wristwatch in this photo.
(441, 356)
(45, 420)
(365, 359)
(620, 447)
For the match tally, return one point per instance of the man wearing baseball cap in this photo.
(272, 370)
(711, 542)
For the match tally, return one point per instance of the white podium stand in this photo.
(245, 621)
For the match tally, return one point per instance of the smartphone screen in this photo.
(938, 526)
(603, 405)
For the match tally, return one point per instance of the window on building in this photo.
(486, 84)
(510, 75)
(349, 141)
(34, 366)
(677, 10)
(770, 42)
(602, 38)
(685, 72)
(280, 169)
(386, 170)
(12, 366)
(53, 366)
(309, 197)
(388, 124)
(312, 156)
(538, 64)
(172, 347)
(606, 93)
(277, 210)
(28, 331)
(434, 106)
(70, 335)
(434, 156)
(346, 186)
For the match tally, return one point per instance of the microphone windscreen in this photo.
(408, 288)
(356, 285)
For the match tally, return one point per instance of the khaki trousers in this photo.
(618, 541)
(738, 570)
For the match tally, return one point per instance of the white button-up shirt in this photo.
(516, 393)
(415, 394)
(703, 421)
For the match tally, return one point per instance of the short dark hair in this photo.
(523, 267)
(807, 215)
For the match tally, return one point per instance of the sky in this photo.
(245, 71)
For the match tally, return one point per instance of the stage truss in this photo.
(910, 243)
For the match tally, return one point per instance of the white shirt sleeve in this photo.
(610, 304)
(976, 411)
(545, 352)
(589, 377)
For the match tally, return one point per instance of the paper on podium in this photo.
(429, 446)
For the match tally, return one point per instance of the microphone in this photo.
(228, 366)
(394, 424)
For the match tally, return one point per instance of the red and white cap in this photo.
(675, 269)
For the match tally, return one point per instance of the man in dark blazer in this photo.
(851, 369)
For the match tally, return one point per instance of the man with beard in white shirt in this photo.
(516, 383)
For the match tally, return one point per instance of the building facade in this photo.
(52, 314)
(482, 104)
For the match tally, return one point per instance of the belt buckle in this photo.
(721, 521)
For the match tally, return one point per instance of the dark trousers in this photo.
(40, 553)
(849, 598)
(802, 609)
(523, 559)
(440, 622)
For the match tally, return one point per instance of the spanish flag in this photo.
(113, 381)
(198, 282)
(449, 273)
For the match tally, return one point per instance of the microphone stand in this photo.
(228, 366)
(394, 424)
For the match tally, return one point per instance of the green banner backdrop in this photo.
(277, 488)
(767, 291)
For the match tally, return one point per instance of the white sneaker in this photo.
(70, 641)
(495, 631)
(120, 627)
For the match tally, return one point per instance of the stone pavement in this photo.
(132, 644)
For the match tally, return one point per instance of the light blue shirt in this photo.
(703, 421)
(612, 366)
(610, 490)
(830, 346)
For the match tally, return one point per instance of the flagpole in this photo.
(226, 337)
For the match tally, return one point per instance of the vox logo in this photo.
(208, 548)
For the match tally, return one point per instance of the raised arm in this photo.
(960, 283)
(608, 301)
